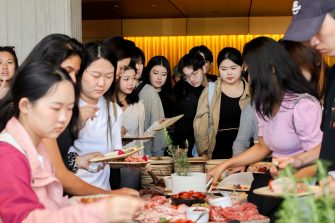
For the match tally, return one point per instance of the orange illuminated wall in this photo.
(174, 47)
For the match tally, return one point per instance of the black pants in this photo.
(267, 206)
(115, 179)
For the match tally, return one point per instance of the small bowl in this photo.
(193, 213)
(221, 201)
(168, 182)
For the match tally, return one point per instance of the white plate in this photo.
(167, 122)
(112, 163)
(114, 155)
(144, 137)
(266, 191)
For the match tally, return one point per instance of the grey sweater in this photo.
(153, 112)
(248, 130)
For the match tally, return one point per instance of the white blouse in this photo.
(93, 138)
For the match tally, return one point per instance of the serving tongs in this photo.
(156, 180)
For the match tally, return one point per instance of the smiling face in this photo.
(97, 79)
(194, 77)
(48, 116)
(127, 82)
(72, 66)
(230, 72)
(324, 40)
(7, 66)
(158, 76)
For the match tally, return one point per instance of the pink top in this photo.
(279, 134)
(29, 191)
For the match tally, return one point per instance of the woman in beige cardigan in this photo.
(216, 126)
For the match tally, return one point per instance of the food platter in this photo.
(260, 167)
(115, 155)
(144, 137)
(266, 191)
(167, 123)
(89, 199)
(236, 187)
(125, 163)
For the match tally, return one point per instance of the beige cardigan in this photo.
(205, 141)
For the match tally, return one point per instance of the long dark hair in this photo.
(311, 60)
(32, 81)
(94, 51)
(272, 74)
(55, 49)
(131, 98)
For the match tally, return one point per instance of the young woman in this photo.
(275, 84)
(153, 107)
(132, 121)
(39, 106)
(61, 50)
(101, 133)
(8, 66)
(313, 68)
(289, 124)
(158, 74)
(216, 124)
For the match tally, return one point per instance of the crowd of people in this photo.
(67, 103)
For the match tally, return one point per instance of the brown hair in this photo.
(310, 59)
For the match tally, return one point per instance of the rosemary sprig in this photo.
(178, 155)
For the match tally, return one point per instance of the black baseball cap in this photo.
(308, 16)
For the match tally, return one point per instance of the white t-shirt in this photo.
(93, 138)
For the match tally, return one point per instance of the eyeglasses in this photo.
(5, 48)
(188, 77)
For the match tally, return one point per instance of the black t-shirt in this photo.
(229, 122)
(328, 121)
(65, 141)
(187, 100)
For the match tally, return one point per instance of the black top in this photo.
(169, 104)
(229, 122)
(187, 100)
(65, 141)
(328, 121)
(211, 77)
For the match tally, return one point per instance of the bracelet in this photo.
(71, 156)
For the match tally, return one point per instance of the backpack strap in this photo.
(296, 101)
(114, 111)
(211, 86)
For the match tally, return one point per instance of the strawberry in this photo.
(120, 152)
